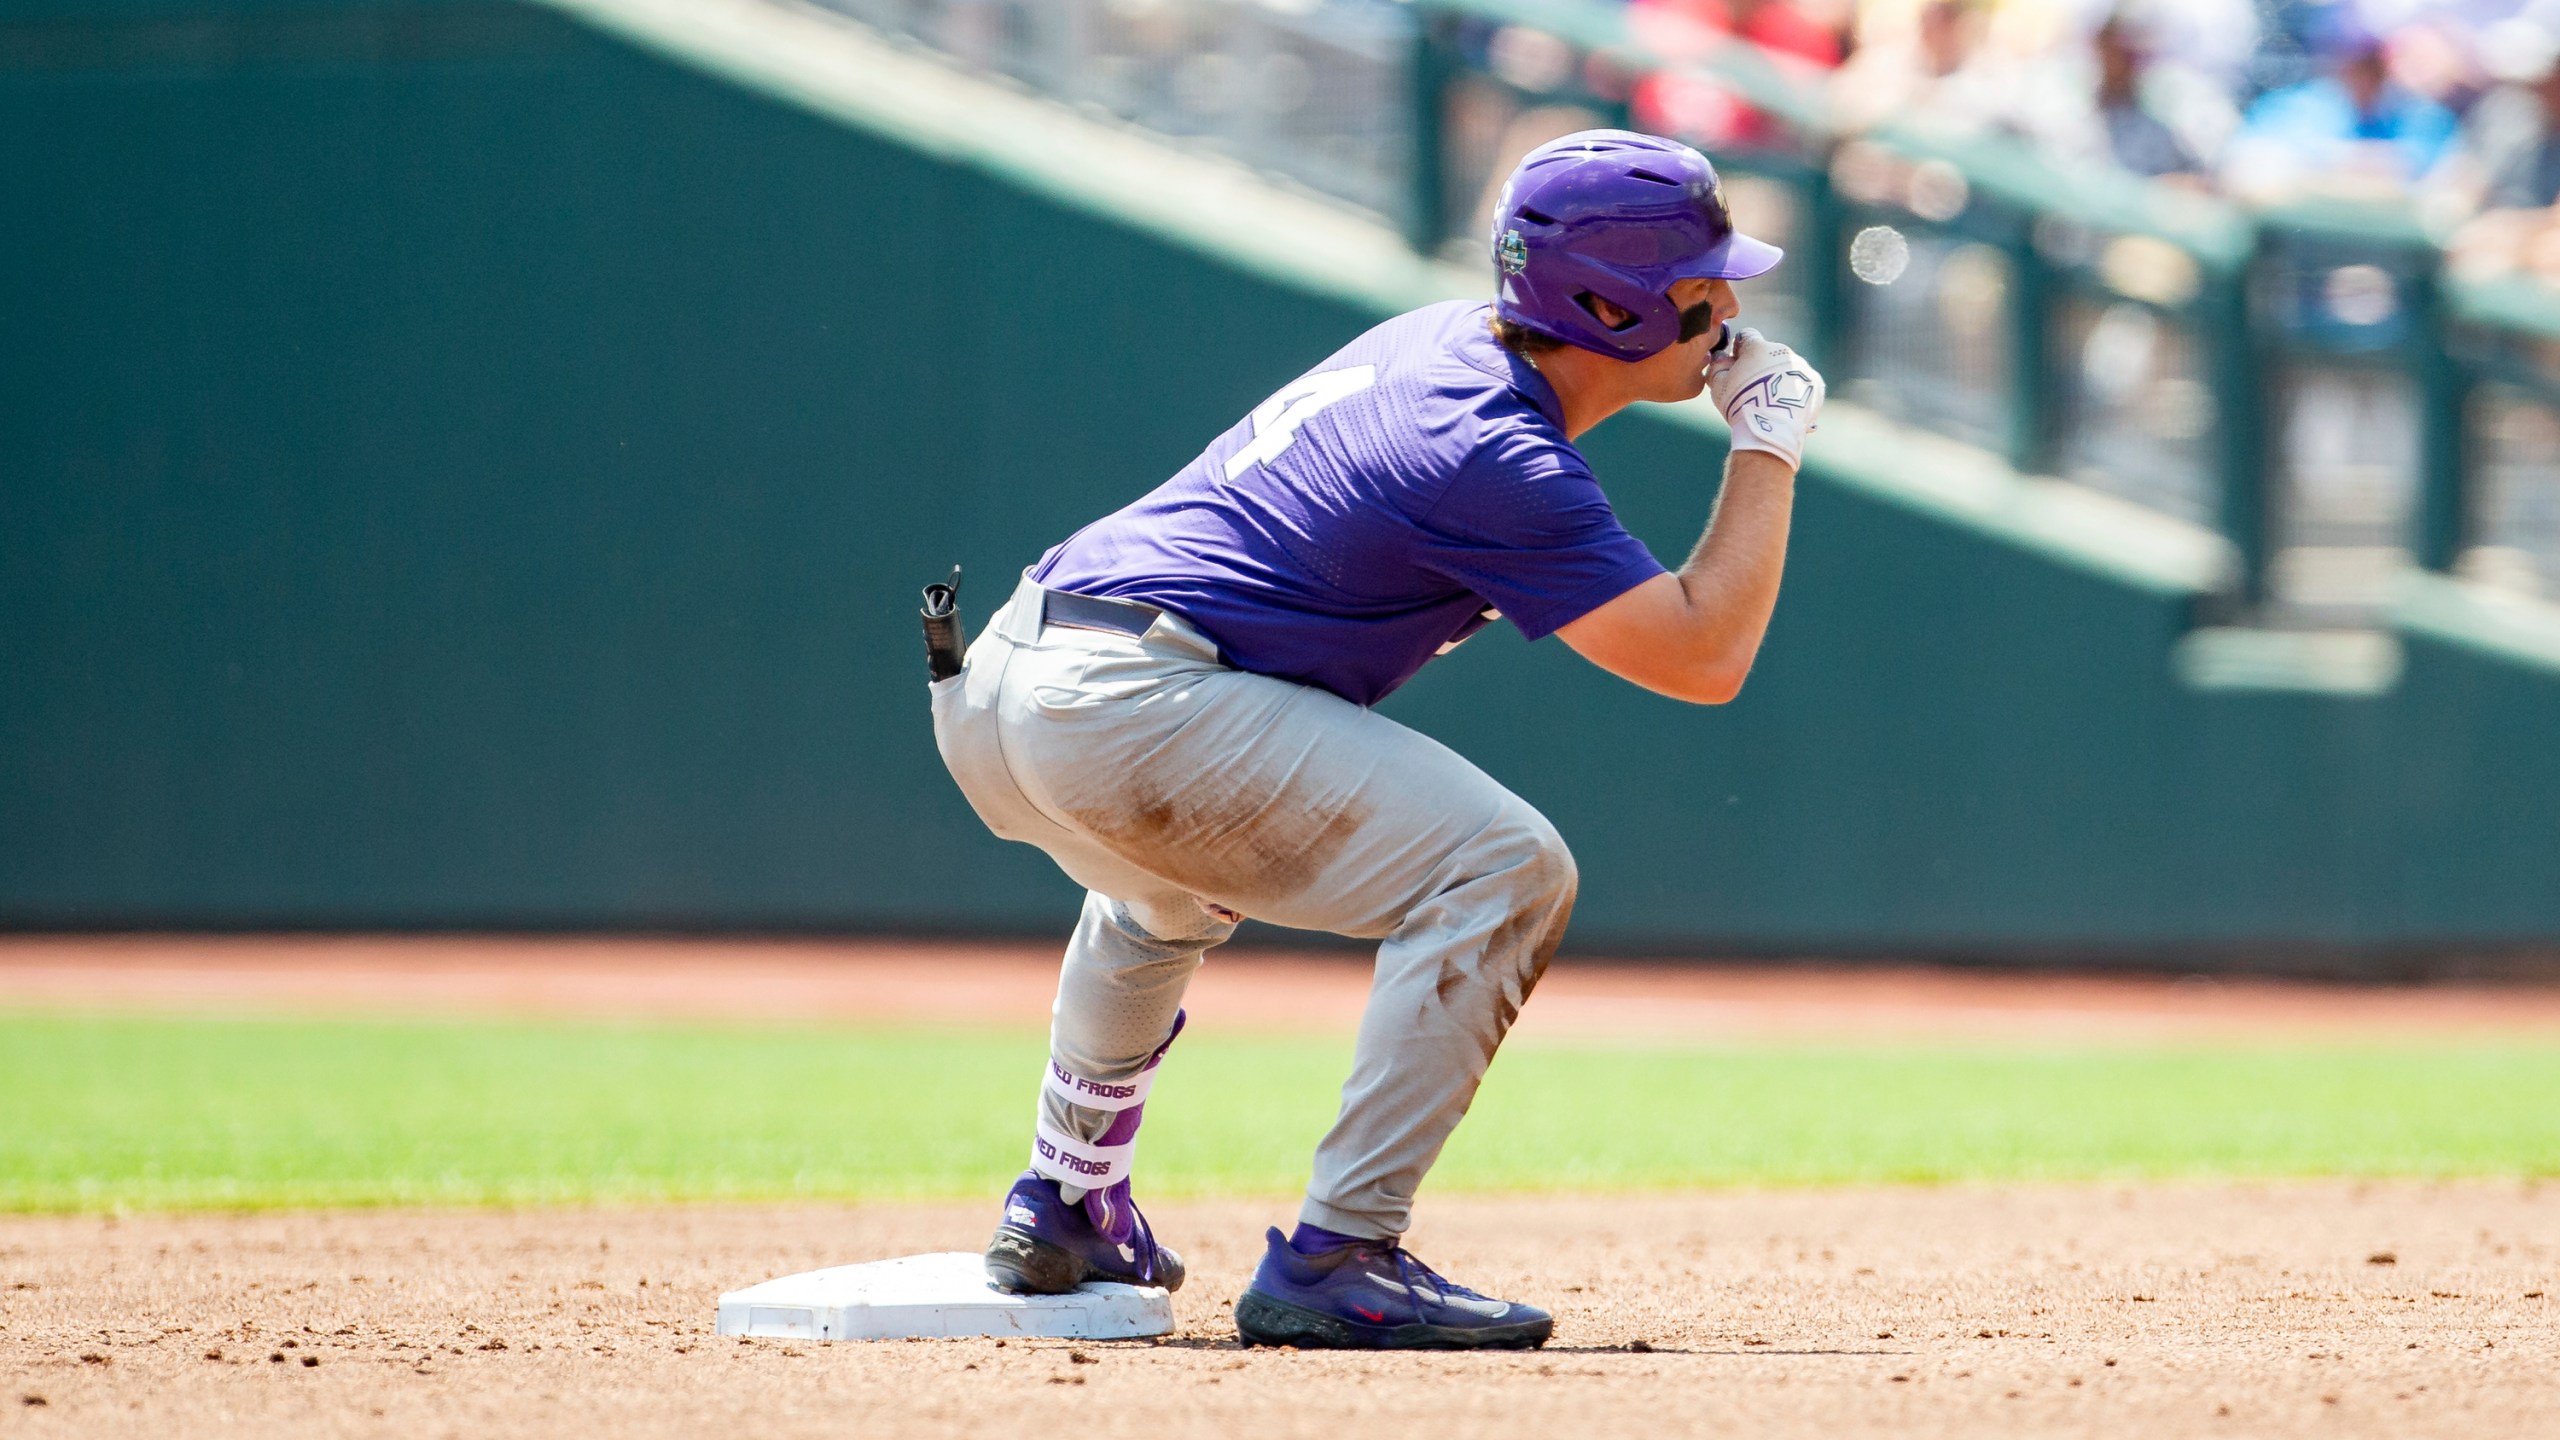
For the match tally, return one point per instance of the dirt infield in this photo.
(1239, 989)
(2156, 1311)
(2257, 1310)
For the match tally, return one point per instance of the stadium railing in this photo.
(2308, 381)
(1317, 93)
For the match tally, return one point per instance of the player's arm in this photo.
(1692, 635)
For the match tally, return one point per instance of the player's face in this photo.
(1680, 372)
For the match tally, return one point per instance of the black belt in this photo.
(1096, 612)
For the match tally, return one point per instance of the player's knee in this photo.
(1537, 864)
(1538, 880)
(1178, 921)
(1564, 874)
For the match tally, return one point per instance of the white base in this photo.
(938, 1296)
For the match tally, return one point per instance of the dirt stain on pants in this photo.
(1175, 788)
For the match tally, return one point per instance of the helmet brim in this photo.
(1736, 257)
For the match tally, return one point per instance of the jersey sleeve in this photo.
(1525, 525)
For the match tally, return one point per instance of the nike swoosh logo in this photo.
(1490, 1309)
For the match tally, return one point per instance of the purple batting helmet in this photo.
(1618, 215)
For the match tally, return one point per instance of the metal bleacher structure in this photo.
(2308, 383)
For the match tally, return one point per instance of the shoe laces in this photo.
(1410, 1270)
(1116, 1217)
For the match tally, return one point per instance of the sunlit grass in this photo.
(144, 1113)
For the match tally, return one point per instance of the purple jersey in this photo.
(1371, 514)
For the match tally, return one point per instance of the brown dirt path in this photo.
(2179, 1310)
(919, 981)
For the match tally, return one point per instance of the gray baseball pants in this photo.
(1167, 784)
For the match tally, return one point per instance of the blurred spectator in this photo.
(2207, 42)
(2511, 139)
(1777, 26)
(2121, 123)
(2352, 128)
(2509, 167)
(1710, 115)
(2289, 41)
(1928, 66)
(2435, 55)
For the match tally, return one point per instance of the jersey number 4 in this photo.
(1276, 420)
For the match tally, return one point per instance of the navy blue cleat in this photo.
(1046, 1246)
(1374, 1295)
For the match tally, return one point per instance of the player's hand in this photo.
(1767, 393)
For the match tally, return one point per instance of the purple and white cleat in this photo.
(1047, 1246)
(1324, 1291)
(1069, 1219)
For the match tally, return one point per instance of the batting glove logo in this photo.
(1789, 392)
(1769, 395)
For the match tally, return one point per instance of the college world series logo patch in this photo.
(1511, 253)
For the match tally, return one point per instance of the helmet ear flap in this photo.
(1591, 305)
(1652, 323)
(1559, 300)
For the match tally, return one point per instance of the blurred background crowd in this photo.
(2450, 106)
(2285, 269)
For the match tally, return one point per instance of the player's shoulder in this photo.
(1440, 400)
(1512, 412)
(1450, 359)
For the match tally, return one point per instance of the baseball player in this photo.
(1175, 706)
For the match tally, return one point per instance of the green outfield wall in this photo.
(471, 465)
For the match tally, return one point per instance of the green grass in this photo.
(142, 1113)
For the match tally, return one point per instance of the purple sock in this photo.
(1315, 1239)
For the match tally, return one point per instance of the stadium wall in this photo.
(471, 465)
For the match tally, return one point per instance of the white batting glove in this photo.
(1767, 393)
